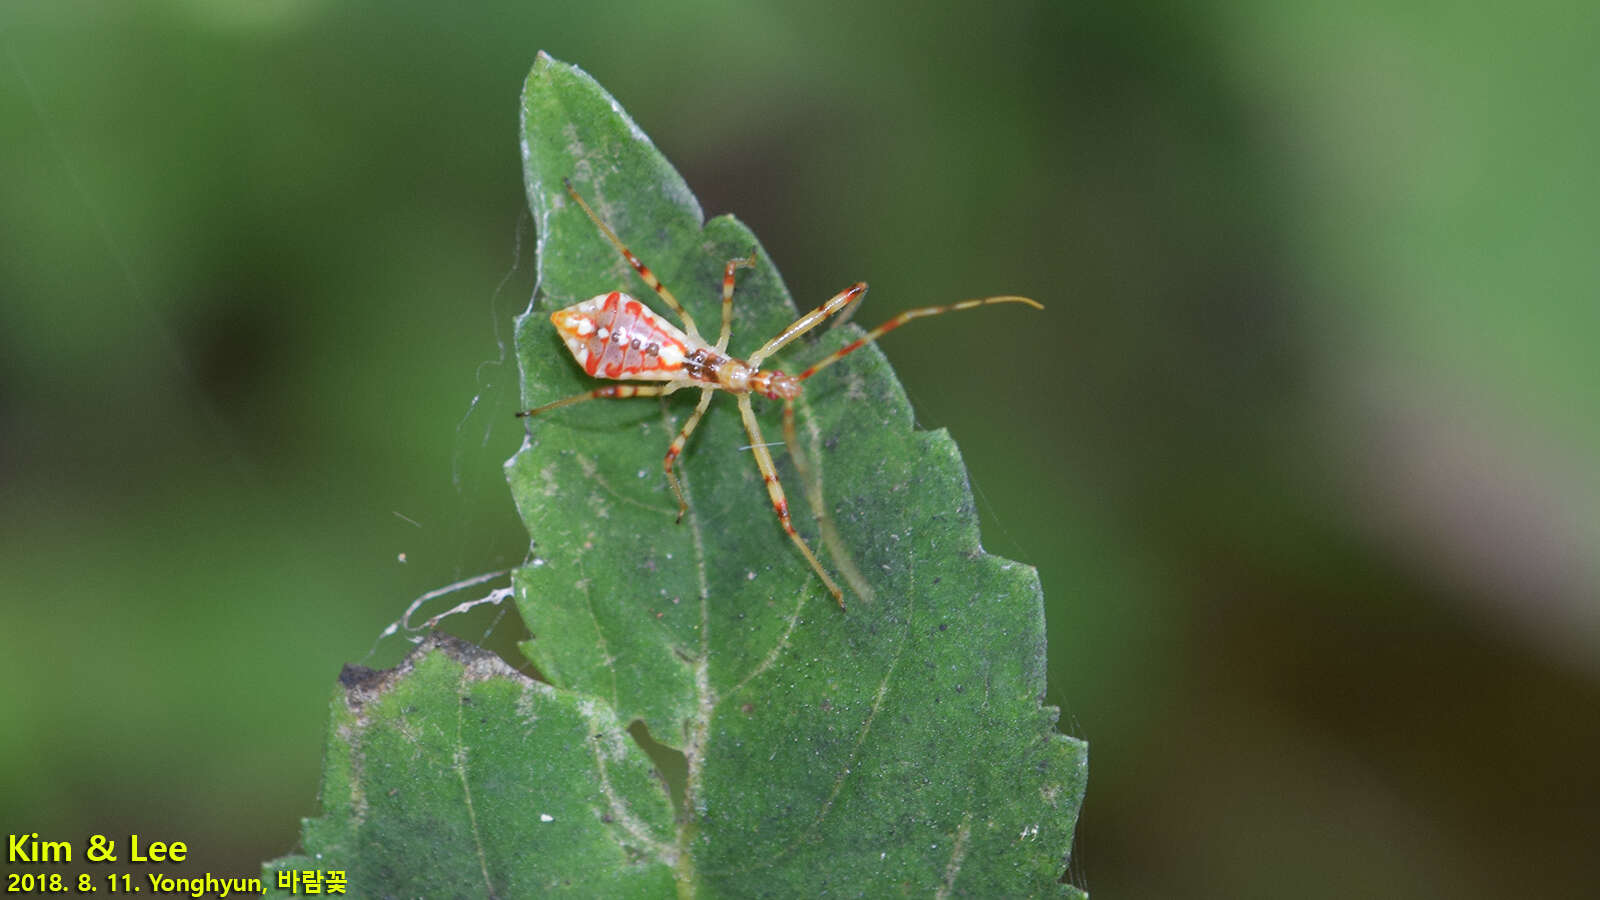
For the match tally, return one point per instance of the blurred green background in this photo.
(1303, 446)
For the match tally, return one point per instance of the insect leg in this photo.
(608, 392)
(792, 440)
(901, 319)
(677, 447)
(811, 483)
(810, 320)
(727, 297)
(780, 504)
(645, 274)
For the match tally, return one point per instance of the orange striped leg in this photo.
(901, 319)
(748, 262)
(609, 392)
(645, 274)
(769, 473)
(810, 320)
(677, 448)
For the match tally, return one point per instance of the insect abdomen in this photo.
(615, 336)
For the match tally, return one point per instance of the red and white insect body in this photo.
(615, 336)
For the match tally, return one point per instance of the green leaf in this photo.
(453, 775)
(899, 746)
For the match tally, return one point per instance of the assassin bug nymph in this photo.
(614, 336)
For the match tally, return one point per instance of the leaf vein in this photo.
(698, 729)
(591, 471)
(459, 758)
(861, 737)
(779, 647)
(620, 811)
(957, 854)
(606, 658)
